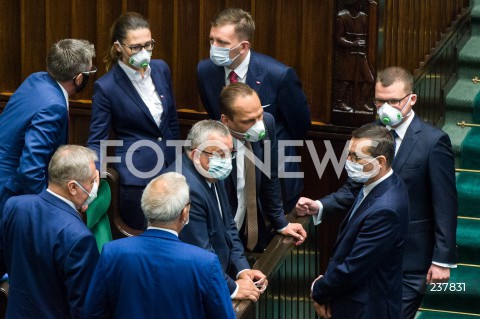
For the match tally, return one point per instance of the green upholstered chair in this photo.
(97, 215)
(117, 225)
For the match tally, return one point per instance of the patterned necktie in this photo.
(212, 187)
(394, 135)
(251, 228)
(233, 77)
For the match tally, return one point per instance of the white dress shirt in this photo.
(146, 89)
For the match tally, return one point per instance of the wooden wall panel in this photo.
(33, 36)
(11, 46)
(316, 66)
(298, 33)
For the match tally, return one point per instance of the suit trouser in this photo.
(413, 291)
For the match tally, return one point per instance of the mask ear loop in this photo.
(121, 48)
(408, 101)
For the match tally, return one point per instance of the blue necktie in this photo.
(358, 201)
(394, 135)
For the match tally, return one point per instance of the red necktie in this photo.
(233, 77)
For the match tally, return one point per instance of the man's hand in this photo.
(247, 290)
(296, 231)
(438, 274)
(323, 311)
(306, 206)
(254, 275)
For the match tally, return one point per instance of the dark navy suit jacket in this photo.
(270, 212)
(280, 93)
(33, 125)
(364, 276)
(209, 229)
(155, 275)
(49, 254)
(425, 162)
(117, 105)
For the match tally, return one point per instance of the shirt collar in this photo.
(134, 75)
(164, 229)
(241, 70)
(65, 93)
(401, 130)
(71, 204)
(368, 188)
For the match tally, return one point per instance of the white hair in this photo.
(201, 130)
(163, 203)
(71, 162)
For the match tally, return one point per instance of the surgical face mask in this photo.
(356, 173)
(391, 116)
(92, 195)
(140, 59)
(254, 134)
(221, 56)
(219, 168)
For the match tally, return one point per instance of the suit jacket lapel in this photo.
(127, 86)
(159, 82)
(367, 202)
(255, 73)
(408, 144)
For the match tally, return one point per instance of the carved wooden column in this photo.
(354, 62)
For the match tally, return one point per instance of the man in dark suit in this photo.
(255, 198)
(364, 276)
(424, 161)
(155, 275)
(45, 247)
(35, 120)
(205, 164)
(277, 85)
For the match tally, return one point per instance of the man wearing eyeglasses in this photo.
(424, 160)
(205, 165)
(35, 120)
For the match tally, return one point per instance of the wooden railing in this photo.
(290, 271)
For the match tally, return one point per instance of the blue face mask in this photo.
(219, 168)
(221, 56)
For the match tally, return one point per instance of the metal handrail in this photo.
(463, 124)
(464, 170)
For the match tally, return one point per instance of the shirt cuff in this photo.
(317, 219)
(234, 293)
(240, 273)
(281, 229)
(444, 265)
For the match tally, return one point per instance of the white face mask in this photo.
(356, 173)
(140, 60)
(221, 56)
(219, 168)
(391, 116)
(255, 133)
(92, 195)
